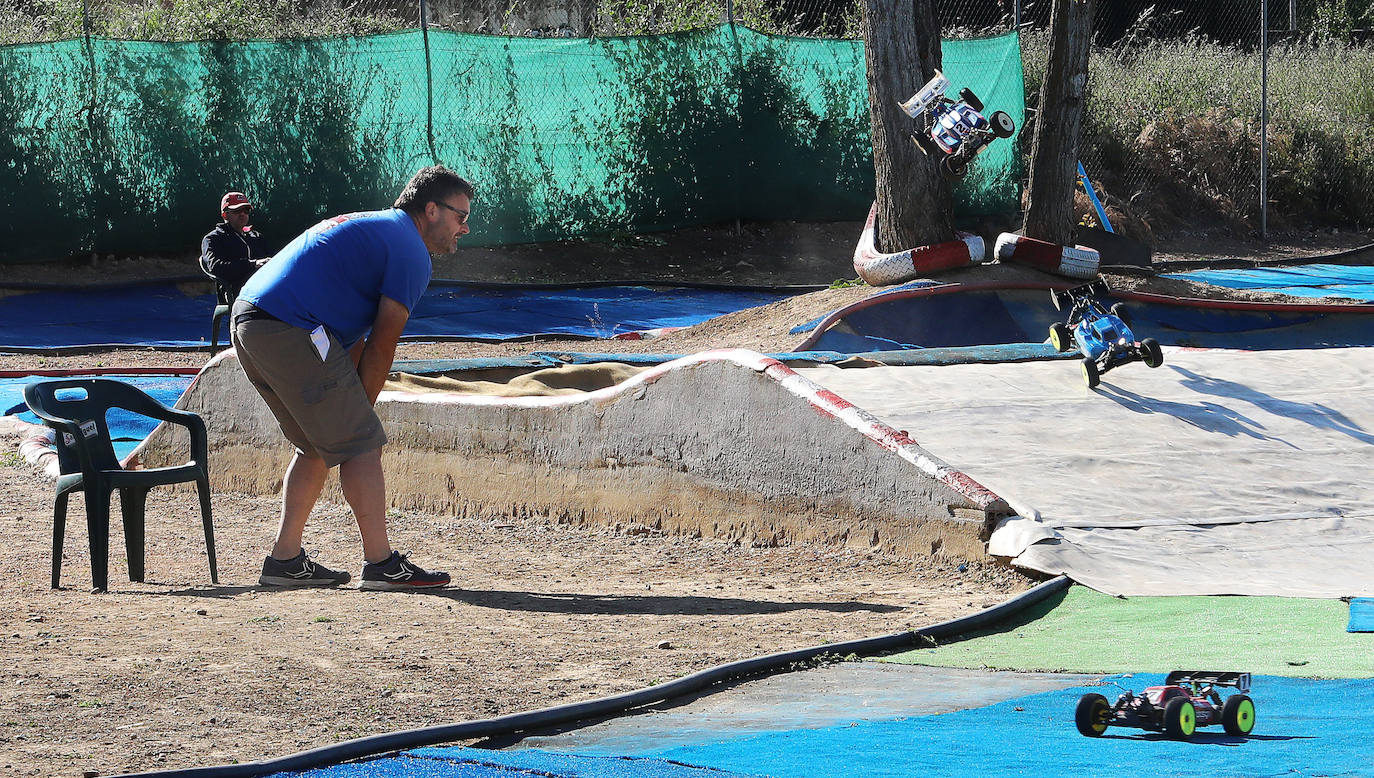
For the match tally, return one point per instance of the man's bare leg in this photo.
(364, 486)
(300, 490)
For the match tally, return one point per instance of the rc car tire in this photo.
(1180, 718)
(969, 97)
(1059, 337)
(1238, 715)
(1002, 125)
(1091, 375)
(1151, 353)
(953, 171)
(1120, 311)
(1092, 714)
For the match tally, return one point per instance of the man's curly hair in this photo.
(431, 184)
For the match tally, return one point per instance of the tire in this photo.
(1151, 353)
(1180, 718)
(1120, 311)
(1002, 125)
(1060, 337)
(1092, 714)
(1091, 376)
(969, 97)
(1238, 715)
(952, 170)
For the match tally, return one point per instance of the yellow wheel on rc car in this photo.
(1091, 375)
(1180, 718)
(1092, 714)
(1060, 338)
(1238, 715)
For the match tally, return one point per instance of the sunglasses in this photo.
(462, 214)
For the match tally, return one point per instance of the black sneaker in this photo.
(398, 573)
(301, 571)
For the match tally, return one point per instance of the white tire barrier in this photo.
(1073, 261)
(884, 269)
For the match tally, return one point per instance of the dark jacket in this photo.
(229, 258)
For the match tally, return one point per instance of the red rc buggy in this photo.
(1187, 700)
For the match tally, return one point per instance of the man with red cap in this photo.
(233, 250)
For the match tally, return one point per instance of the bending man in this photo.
(316, 331)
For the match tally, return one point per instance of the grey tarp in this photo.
(1222, 472)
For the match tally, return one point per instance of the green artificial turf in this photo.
(1084, 631)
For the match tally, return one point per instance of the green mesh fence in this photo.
(125, 147)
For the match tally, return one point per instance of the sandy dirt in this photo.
(176, 672)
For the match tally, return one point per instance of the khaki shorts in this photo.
(319, 403)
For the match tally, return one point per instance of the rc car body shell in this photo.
(957, 128)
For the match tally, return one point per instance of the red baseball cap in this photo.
(234, 200)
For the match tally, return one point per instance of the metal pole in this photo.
(1264, 119)
(730, 11)
(1292, 15)
(429, 83)
(1016, 15)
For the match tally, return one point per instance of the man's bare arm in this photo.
(380, 349)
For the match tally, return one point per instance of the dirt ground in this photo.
(177, 672)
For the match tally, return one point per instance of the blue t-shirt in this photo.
(336, 273)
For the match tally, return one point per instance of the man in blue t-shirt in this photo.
(316, 332)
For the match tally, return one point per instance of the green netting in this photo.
(125, 147)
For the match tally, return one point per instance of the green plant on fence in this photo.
(669, 129)
(33, 172)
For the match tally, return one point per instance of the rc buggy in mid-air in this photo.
(1102, 334)
(956, 128)
(1188, 699)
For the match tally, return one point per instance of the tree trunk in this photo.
(902, 49)
(1054, 156)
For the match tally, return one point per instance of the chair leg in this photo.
(59, 531)
(132, 502)
(203, 487)
(98, 530)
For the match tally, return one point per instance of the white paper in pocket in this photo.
(320, 339)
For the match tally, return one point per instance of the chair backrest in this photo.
(86, 402)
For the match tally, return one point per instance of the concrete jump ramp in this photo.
(728, 444)
(1221, 472)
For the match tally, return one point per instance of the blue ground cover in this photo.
(1353, 281)
(127, 429)
(1304, 727)
(162, 315)
(479, 763)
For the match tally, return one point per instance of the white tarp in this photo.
(1222, 472)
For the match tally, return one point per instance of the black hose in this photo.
(545, 718)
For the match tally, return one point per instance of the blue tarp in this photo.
(126, 428)
(163, 316)
(1351, 281)
(1361, 615)
(1006, 316)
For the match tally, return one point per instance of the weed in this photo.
(322, 620)
(264, 620)
(11, 459)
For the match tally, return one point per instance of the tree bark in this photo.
(902, 50)
(1059, 124)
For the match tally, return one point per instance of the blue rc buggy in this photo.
(1103, 335)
